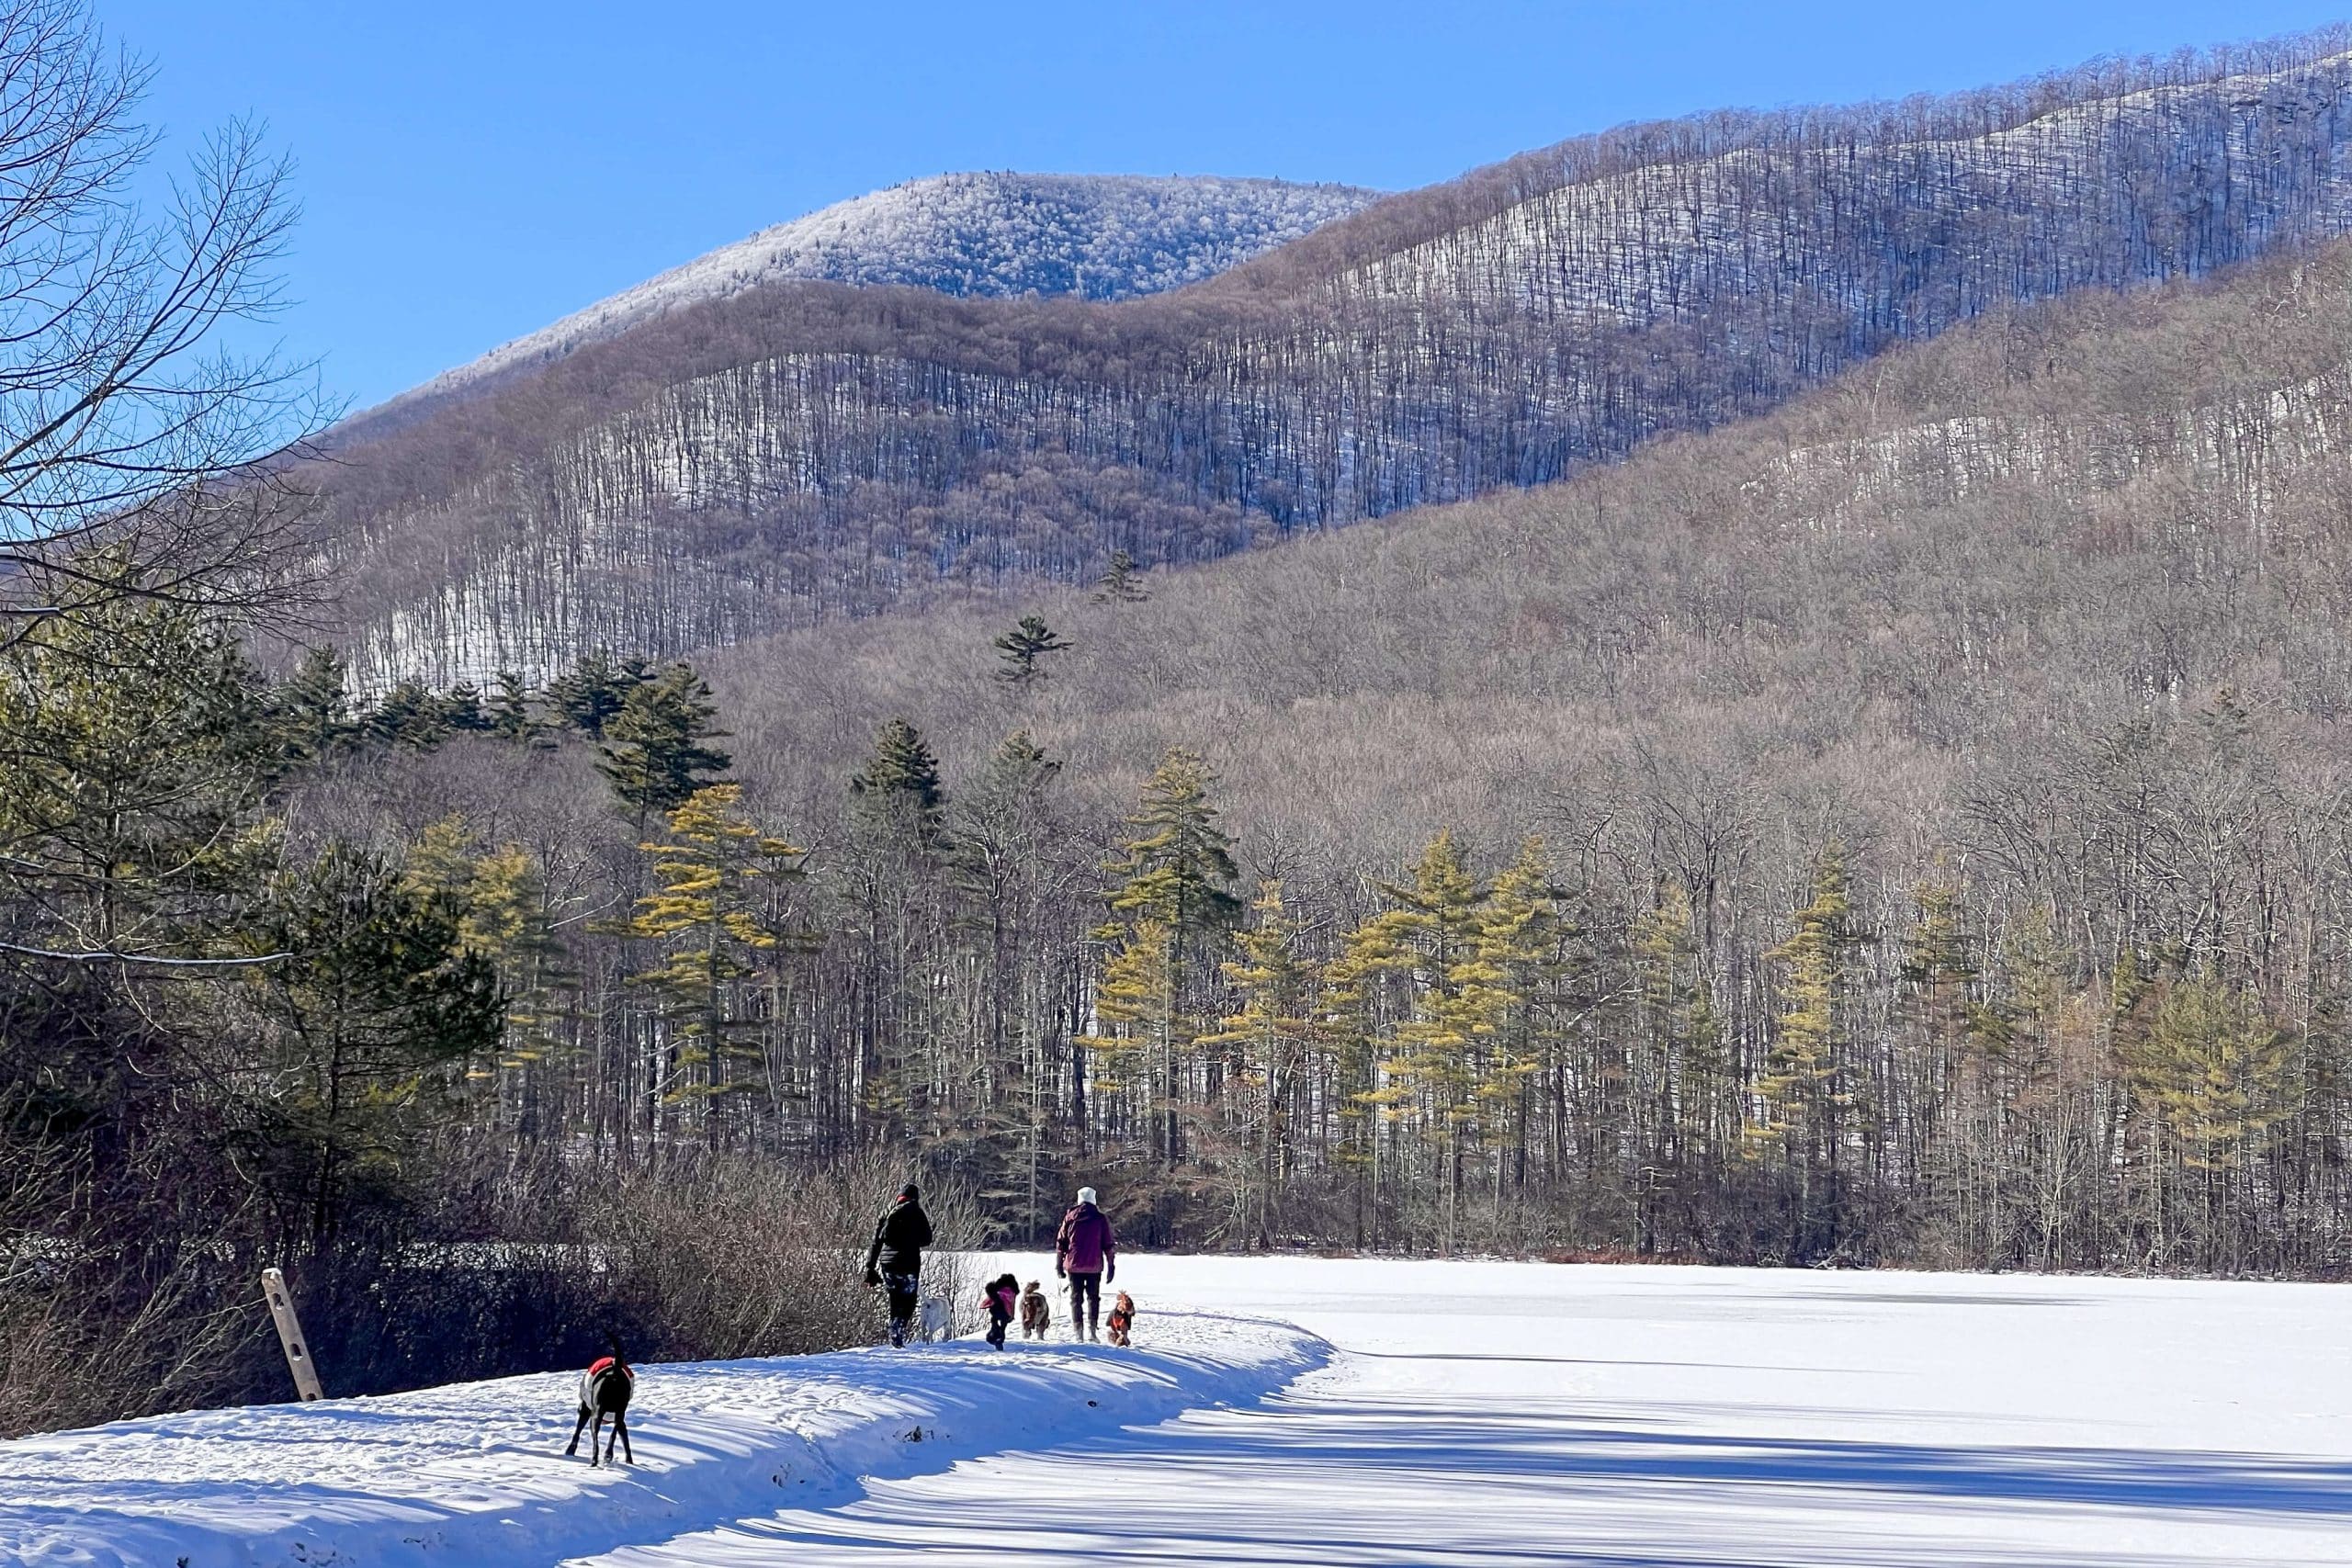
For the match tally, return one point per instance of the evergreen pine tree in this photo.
(1174, 875)
(653, 752)
(1121, 582)
(502, 895)
(1804, 1082)
(1517, 964)
(138, 759)
(1018, 769)
(1940, 968)
(1001, 863)
(715, 917)
(1273, 1029)
(510, 711)
(1137, 995)
(1432, 937)
(2213, 1065)
(901, 877)
(309, 712)
(900, 786)
(461, 711)
(1694, 1099)
(1024, 645)
(370, 1017)
(591, 694)
(1177, 864)
(1352, 1024)
(2021, 1029)
(996, 825)
(407, 716)
(507, 918)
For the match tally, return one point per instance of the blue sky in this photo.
(469, 172)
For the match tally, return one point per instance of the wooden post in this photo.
(290, 1334)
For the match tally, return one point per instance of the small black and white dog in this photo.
(604, 1389)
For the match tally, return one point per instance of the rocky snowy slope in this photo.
(1092, 236)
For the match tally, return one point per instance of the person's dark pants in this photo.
(996, 1329)
(902, 1289)
(1085, 1301)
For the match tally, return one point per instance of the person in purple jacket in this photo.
(1086, 1254)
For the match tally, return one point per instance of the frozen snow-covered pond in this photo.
(1459, 1414)
(1506, 1413)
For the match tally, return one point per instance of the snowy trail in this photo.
(1494, 1414)
(473, 1474)
(1454, 1415)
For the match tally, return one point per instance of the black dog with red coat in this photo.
(604, 1390)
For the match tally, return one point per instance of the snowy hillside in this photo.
(1461, 1414)
(1509, 329)
(1099, 236)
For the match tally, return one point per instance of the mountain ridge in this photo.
(789, 454)
(984, 233)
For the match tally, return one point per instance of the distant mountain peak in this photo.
(1092, 236)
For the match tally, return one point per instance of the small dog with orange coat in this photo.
(1122, 1319)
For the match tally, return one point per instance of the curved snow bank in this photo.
(474, 1473)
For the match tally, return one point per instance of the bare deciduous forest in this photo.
(1902, 828)
(800, 452)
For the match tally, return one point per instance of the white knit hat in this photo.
(1085, 1195)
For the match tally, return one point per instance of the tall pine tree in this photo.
(1272, 1032)
(715, 915)
(1805, 1081)
(653, 752)
(1173, 893)
(1121, 582)
(1022, 647)
(309, 711)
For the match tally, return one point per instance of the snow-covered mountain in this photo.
(783, 454)
(1095, 236)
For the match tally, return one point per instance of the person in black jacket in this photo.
(894, 1260)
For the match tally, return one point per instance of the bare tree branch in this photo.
(103, 955)
(122, 426)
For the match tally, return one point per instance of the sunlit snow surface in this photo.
(1508, 1414)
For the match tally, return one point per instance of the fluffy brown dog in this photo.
(1122, 1319)
(1036, 1314)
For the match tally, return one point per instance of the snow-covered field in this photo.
(1452, 1413)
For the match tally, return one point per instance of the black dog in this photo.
(604, 1389)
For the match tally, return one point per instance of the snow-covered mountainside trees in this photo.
(792, 452)
(1089, 236)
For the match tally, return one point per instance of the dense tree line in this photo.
(241, 1024)
(2094, 1050)
(800, 452)
(1907, 829)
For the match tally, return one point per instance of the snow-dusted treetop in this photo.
(1098, 236)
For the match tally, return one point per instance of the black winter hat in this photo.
(909, 1192)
